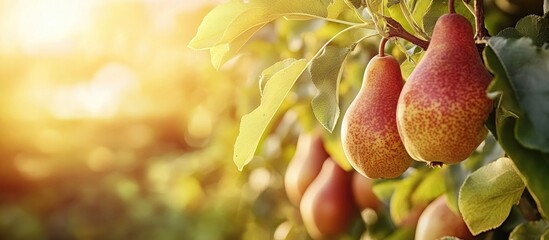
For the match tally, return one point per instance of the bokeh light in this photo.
(113, 129)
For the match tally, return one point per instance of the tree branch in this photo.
(479, 18)
(396, 30)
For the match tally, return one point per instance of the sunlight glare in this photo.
(49, 25)
(99, 98)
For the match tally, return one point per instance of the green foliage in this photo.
(410, 63)
(221, 53)
(401, 204)
(532, 165)
(279, 80)
(417, 189)
(520, 67)
(402, 233)
(526, 68)
(530, 230)
(532, 26)
(346, 10)
(230, 20)
(326, 71)
(487, 195)
(484, 190)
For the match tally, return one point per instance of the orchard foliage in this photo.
(500, 189)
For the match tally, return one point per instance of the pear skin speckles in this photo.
(370, 136)
(443, 105)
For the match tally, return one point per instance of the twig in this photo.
(451, 7)
(479, 20)
(382, 47)
(396, 30)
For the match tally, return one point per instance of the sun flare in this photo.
(47, 25)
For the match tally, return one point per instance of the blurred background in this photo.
(111, 128)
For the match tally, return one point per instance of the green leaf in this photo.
(534, 27)
(220, 54)
(378, 9)
(384, 189)
(526, 67)
(430, 187)
(336, 8)
(401, 203)
(229, 20)
(456, 174)
(344, 9)
(500, 85)
(396, 14)
(532, 165)
(529, 230)
(545, 235)
(420, 9)
(488, 194)
(332, 143)
(326, 72)
(454, 177)
(390, 3)
(269, 72)
(410, 63)
(254, 124)
(402, 233)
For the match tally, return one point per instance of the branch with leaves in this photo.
(395, 29)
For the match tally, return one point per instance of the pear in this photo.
(369, 132)
(363, 194)
(443, 105)
(327, 207)
(304, 166)
(438, 220)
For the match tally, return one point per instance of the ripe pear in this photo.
(438, 220)
(412, 218)
(363, 194)
(327, 206)
(369, 132)
(304, 166)
(443, 105)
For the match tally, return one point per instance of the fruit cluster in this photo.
(330, 198)
(437, 116)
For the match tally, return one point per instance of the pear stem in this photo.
(396, 30)
(451, 7)
(382, 47)
(479, 20)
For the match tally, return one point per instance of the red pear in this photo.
(369, 132)
(327, 206)
(438, 220)
(443, 105)
(304, 166)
